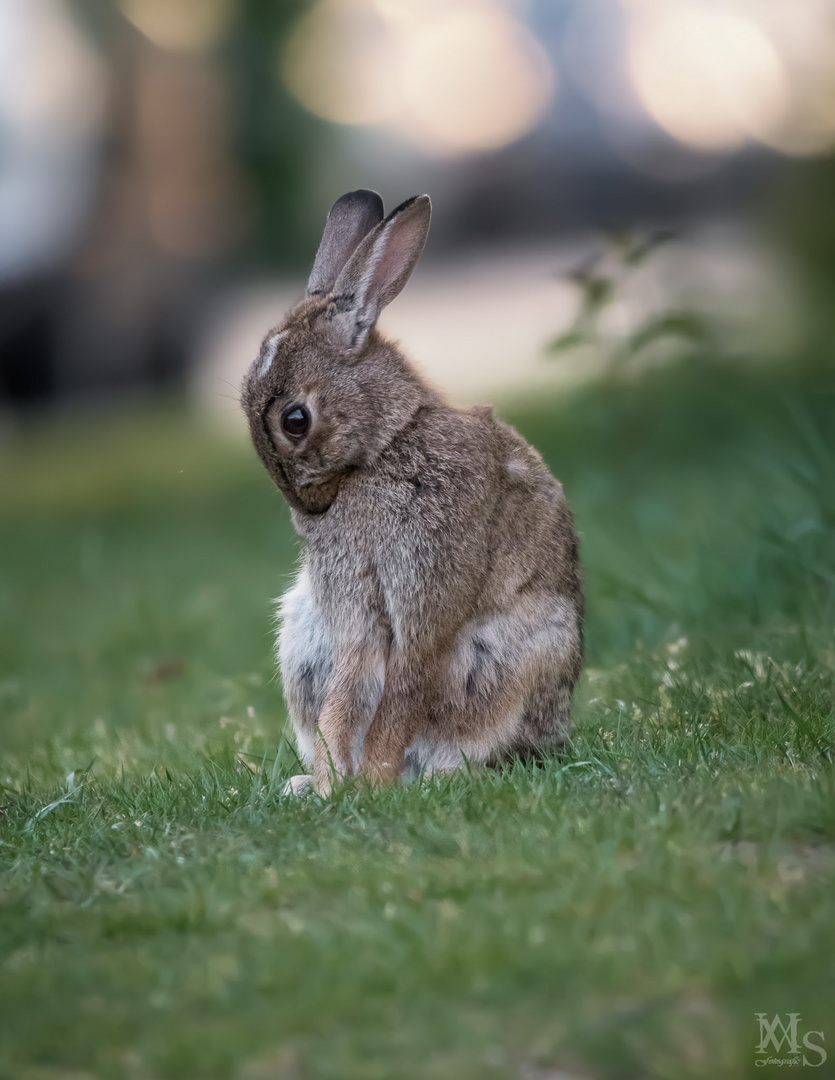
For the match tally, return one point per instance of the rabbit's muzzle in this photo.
(307, 496)
(315, 498)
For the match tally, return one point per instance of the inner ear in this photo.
(399, 254)
(379, 269)
(350, 219)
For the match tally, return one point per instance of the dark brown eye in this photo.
(296, 421)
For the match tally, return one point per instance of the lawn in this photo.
(622, 911)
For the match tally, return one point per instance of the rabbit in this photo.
(437, 617)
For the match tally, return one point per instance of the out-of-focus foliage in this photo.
(277, 143)
(598, 281)
(799, 208)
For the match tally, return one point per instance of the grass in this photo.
(620, 912)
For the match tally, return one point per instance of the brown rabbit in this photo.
(437, 614)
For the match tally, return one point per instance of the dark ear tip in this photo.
(362, 197)
(416, 202)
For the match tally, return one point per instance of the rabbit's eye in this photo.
(296, 421)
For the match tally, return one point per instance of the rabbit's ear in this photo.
(378, 270)
(350, 219)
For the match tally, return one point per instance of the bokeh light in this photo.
(339, 64)
(407, 12)
(707, 75)
(474, 80)
(804, 36)
(451, 77)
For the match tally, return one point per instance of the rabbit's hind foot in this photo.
(299, 787)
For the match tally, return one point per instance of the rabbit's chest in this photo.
(369, 547)
(386, 560)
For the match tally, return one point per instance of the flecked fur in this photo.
(437, 614)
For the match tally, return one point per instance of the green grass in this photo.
(620, 912)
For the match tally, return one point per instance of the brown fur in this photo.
(438, 611)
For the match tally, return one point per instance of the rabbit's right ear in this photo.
(350, 220)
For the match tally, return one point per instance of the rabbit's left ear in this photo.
(350, 218)
(377, 271)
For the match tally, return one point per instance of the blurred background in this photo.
(166, 167)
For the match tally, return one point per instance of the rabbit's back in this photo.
(535, 546)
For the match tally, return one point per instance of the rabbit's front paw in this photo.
(300, 786)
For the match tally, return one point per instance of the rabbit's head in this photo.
(327, 392)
